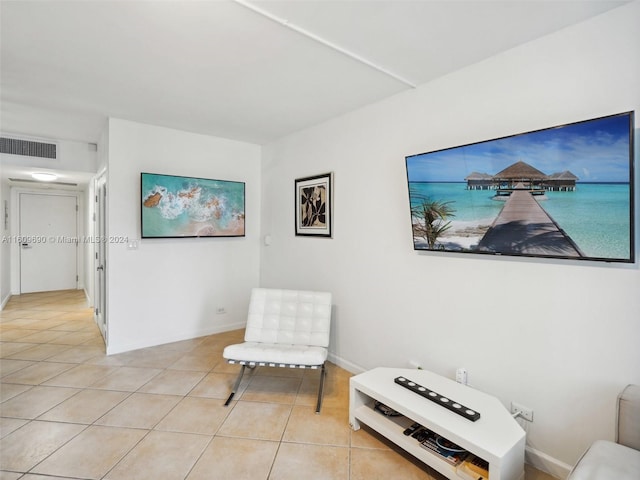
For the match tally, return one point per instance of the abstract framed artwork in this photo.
(177, 207)
(313, 205)
(561, 192)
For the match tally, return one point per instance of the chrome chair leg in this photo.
(321, 389)
(236, 385)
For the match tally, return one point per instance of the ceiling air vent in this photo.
(30, 148)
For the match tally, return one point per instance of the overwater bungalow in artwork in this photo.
(521, 175)
(561, 181)
(479, 181)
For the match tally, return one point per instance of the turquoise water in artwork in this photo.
(182, 206)
(595, 216)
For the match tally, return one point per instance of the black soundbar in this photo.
(441, 400)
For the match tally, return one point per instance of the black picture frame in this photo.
(313, 205)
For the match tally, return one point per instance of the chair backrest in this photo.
(628, 431)
(289, 317)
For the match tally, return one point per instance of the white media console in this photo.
(495, 437)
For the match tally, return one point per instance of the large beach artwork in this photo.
(561, 192)
(174, 206)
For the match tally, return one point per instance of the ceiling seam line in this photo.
(325, 42)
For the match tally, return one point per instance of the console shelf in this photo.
(495, 437)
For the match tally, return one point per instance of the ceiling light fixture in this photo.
(44, 176)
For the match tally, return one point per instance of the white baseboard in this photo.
(4, 301)
(159, 340)
(347, 365)
(546, 463)
(86, 294)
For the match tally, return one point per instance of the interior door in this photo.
(101, 256)
(48, 242)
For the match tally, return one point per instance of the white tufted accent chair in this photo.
(285, 328)
(619, 460)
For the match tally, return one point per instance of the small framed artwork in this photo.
(313, 197)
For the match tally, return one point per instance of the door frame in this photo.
(15, 232)
(99, 255)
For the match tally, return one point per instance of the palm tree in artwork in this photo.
(430, 220)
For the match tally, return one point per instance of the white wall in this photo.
(169, 289)
(560, 337)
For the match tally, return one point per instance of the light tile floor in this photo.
(69, 411)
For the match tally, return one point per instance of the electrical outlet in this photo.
(525, 412)
(461, 375)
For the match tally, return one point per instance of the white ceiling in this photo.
(222, 68)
